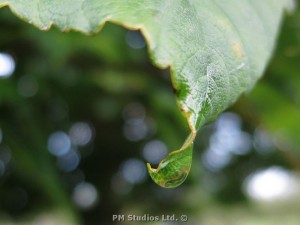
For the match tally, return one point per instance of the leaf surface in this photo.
(215, 49)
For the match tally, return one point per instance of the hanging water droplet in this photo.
(173, 170)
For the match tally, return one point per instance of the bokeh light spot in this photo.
(81, 133)
(135, 39)
(227, 141)
(154, 151)
(274, 183)
(134, 171)
(5, 155)
(136, 127)
(69, 162)
(7, 65)
(85, 195)
(59, 143)
(136, 130)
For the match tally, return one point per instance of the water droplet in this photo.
(173, 170)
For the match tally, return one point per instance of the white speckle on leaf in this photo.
(239, 67)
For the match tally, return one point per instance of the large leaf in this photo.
(216, 50)
(275, 100)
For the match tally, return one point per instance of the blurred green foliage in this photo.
(62, 79)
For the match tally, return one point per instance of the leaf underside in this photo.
(216, 50)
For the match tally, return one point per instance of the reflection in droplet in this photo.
(59, 143)
(69, 161)
(81, 133)
(135, 39)
(7, 65)
(85, 195)
(134, 171)
(154, 151)
(27, 86)
(271, 184)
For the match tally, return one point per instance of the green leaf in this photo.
(216, 50)
(275, 101)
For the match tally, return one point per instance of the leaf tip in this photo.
(172, 170)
